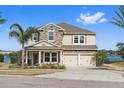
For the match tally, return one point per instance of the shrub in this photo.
(31, 67)
(25, 66)
(100, 57)
(1, 57)
(14, 57)
(61, 67)
(14, 66)
(54, 66)
(45, 67)
(39, 67)
(51, 66)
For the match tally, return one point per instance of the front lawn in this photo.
(119, 64)
(115, 66)
(28, 72)
(5, 70)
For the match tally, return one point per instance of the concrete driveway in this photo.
(81, 73)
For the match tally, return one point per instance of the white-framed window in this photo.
(47, 57)
(51, 35)
(81, 39)
(54, 57)
(50, 57)
(35, 37)
(78, 39)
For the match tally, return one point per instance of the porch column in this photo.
(39, 58)
(32, 58)
(61, 57)
(26, 58)
(78, 59)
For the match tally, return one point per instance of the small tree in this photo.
(100, 57)
(14, 57)
(120, 49)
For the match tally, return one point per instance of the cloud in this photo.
(102, 20)
(87, 18)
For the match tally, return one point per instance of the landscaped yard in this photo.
(116, 66)
(5, 70)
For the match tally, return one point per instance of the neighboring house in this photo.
(62, 43)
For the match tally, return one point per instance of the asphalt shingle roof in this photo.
(79, 47)
(71, 29)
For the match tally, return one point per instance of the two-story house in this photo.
(62, 43)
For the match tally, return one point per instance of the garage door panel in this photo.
(70, 60)
(85, 60)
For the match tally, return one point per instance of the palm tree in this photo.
(119, 20)
(21, 35)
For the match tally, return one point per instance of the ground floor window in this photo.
(47, 57)
(54, 57)
(50, 57)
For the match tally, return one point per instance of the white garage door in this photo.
(78, 60)
(70, 60)
(86, 61)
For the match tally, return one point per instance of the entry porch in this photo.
(39, 57)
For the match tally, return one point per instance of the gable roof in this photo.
(40, 42)
(49, 24)
(43, 45)
(71, 29)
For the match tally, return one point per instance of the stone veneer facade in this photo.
(58, 34)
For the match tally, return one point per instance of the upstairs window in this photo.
(78, 39)
(75, 39)
(35, 37)
(81, 39)
(50, 35)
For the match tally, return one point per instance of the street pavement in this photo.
(70, 78)
(36, 82)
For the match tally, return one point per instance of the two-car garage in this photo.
(78, 59)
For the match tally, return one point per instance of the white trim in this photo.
(41, 28)
(79, 40)
(26, 58)
(32, 58)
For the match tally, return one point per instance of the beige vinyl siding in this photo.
(67, 40)
(90, 40)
